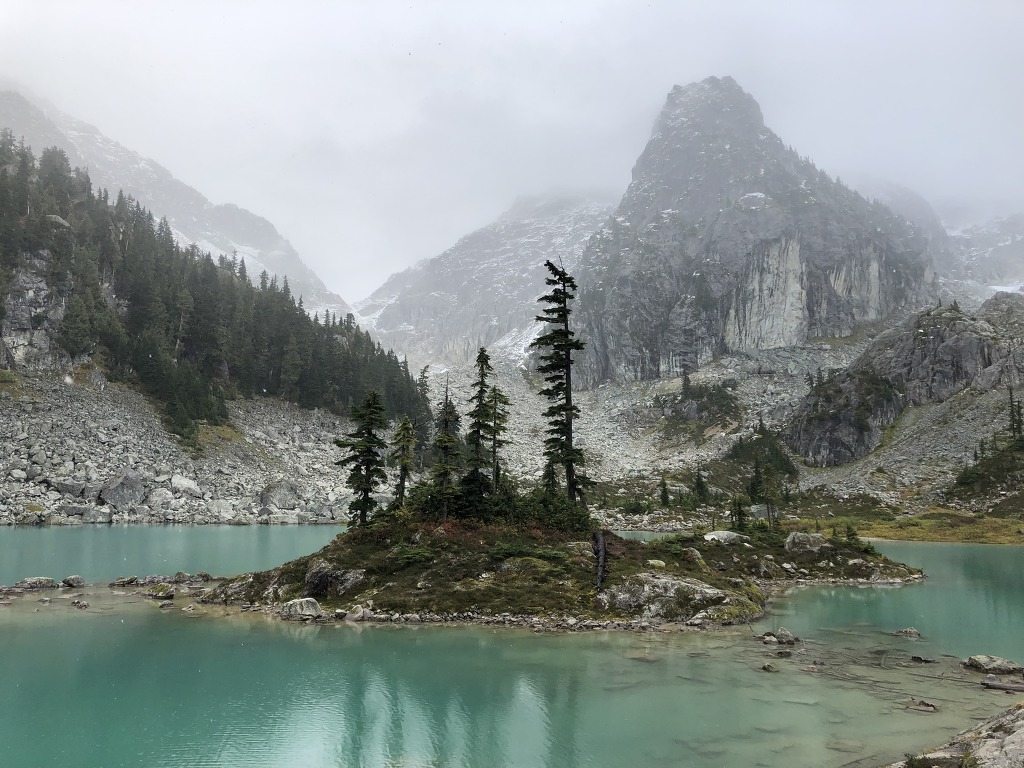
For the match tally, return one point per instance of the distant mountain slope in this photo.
(220, 229)
(482, 291)
(726, 240)
(993, 253)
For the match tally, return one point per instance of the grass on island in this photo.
(461, 566)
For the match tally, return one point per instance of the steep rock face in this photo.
(482, 291)
(728, 241)
(31, 317)
(935, 355)
(220, 229)
(993, 253)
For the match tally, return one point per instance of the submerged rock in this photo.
(74, 582)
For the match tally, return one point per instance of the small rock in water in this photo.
(74, 582)
(80, 604)
(908, 632)
(769, 667)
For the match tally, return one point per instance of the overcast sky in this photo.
(374, 134)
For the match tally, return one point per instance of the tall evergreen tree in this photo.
(444, 473)
(403, 453)
(558, 342)
(478, 481)
(497, 405)
(365, 459)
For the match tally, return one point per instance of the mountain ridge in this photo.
(221, 229)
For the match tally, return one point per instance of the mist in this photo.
(376, 135)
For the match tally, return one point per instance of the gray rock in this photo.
(159, 498)
(907, 632)
(74, 582)
(96, 515)
(37, 582)
(798, 543)
(185, 487)
(993, 665)
(725, 537)
(68, 487)
(282, 494)
(124, 492)
(305, 607)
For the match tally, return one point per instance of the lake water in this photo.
(100, 553)
(130, 685)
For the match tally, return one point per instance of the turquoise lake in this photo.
(125, 684)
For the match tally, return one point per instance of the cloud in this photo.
(376, 134)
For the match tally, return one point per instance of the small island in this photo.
(402, 570)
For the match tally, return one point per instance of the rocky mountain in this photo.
(219, 229)
(993, 253)
(936, 355)
(726, 240)
(482, 291)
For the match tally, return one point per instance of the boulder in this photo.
(806, 543)
(96, 515)
(36, 582)
(220, 510)
(159, 498)
(74, 582)
(324, 581)
(304, 607)
(725, 537)
(992, 665)
(691, 555)
(124, 492)
(184, 486)
(907, 632)
(68, 487)
(282, 494)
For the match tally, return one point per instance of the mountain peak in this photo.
(716, 104)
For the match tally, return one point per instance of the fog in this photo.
(376, 134)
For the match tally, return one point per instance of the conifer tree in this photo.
(477, 482)
(403, 451)
(558, 342)
(663, 492)
(446, 456)
(497, 404)
(365, 459)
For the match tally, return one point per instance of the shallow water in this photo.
(100, 553)
(130, 685)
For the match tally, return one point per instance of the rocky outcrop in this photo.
(935, 355)
(728, 241)
(663, 597)
(482, 291)
(994, 743)
(993, 665)
(31, 317)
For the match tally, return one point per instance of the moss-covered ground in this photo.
(463, 566)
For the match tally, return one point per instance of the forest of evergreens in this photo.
(189, 329)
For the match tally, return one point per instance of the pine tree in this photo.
(365, 458)
(755, 488)
(497, 404)
(75, 329)
(478, 483)
(558, 343)
(446, 456)
(663, 489)
(700, 487)
(403, 451)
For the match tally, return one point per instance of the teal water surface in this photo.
(99, 553)
(129, 685)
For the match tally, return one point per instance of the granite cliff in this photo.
(728, 241)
